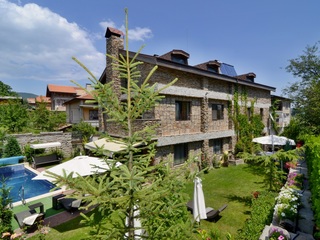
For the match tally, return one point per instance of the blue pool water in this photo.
(18, 177)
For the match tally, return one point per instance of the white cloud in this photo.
(108, 23)
(136, 34)
(37, 44)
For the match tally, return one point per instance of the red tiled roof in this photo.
(43, 99)
(86, 96)
(62, 89)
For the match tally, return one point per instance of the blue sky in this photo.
(38, 38)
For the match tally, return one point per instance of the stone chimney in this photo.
(114, 44)
(89, 87)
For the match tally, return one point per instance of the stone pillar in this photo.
(205, 158)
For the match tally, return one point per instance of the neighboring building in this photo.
(193, 117)
(39, 99)
(283, 111)
(81, 108)
(61, 94)
(7, 99)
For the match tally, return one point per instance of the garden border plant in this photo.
(312, 150)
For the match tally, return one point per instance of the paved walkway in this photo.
(60, 218)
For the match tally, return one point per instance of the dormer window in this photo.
(251, 77)
(213, 69)
(213, 66)
(179, 59)
(179, 56)
(247, 77)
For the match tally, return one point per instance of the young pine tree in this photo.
(136, 190)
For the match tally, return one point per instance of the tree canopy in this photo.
(305, 92)
(6, 90)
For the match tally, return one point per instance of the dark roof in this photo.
(280, 97)
(112, 31)
(195, 70)
(174, 52)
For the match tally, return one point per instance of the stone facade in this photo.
(201, 89)
(283, 111)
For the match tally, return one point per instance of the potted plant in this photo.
(278, 233)
(215, 161)
(205, 165)
(225, 159)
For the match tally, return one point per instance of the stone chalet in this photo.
(193, 117)
(82, 108)
(60, 94)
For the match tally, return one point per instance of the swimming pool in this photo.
(20, 180)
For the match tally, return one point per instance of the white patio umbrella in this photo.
(199, 206)
(82, 165)
(273, 140)
(109, 147)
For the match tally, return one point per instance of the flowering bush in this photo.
(289, 165)
(288, 202)
(295, 180)
(277, 234)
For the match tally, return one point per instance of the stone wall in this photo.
(44, 137)
(165, 111)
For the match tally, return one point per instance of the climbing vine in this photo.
(247, 124)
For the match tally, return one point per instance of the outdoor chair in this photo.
(70, 204)
(211, 212)
(29, 219)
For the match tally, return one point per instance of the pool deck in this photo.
(37, 171)
(54, 220)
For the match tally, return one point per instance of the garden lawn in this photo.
(233, 185)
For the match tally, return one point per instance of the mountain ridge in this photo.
(25, 95)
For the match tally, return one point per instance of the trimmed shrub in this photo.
(261, 215)
(12, 148)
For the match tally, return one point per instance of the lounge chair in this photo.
(29, 219)
(211, 212)
(70, 204)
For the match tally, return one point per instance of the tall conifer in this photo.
(136, 190)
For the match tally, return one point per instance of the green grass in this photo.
(233, 185)
(71, 230)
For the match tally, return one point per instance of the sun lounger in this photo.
(29, 219)
(70, 204)
(211, 212)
